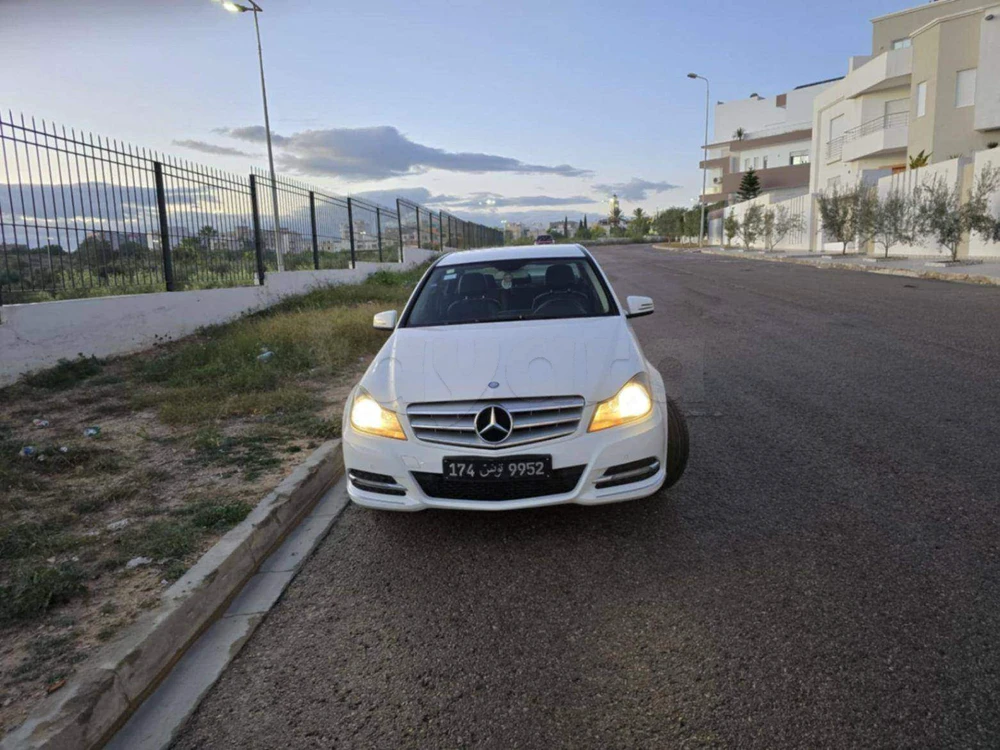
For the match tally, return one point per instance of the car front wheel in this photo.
(677, 443)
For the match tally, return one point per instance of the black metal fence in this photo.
(88, 216)
(420, 227)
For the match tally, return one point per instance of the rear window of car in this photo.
(535, 289)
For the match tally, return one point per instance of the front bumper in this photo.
(592, 453)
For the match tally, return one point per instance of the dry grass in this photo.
(192, 435)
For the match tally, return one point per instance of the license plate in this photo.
(507, 469)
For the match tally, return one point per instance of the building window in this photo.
(746, 164)
(921, 98)
(798, 157)
(756, 162)
(902, 43)
(965, 88)
(837, 127)
(764, 162)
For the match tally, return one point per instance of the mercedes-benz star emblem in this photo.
(494, 424)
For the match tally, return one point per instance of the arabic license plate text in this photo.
(499, 469)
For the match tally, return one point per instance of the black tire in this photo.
(677, 444)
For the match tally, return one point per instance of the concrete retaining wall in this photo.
(37, 335)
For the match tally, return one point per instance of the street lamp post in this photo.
(703, 230)
(255, 9)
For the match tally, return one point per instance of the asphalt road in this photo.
(827, 573)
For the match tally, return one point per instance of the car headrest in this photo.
(559, 276)
(473, 284)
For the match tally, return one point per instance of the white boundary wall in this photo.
(978, 247)
(907, 182)
(800, 205)
(37, 335)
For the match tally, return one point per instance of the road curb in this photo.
(933, 275)
(115, 682)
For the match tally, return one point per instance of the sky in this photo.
(518, 110)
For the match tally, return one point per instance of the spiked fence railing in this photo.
(89, 216)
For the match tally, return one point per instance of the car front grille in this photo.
(533, 420)
(436, 485)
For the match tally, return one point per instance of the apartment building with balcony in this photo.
(931, 84)
(773, 135)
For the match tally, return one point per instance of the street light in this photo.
(255, 9)
(703, 230)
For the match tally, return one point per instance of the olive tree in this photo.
(835, 214)
(731, 225)
(778, 223)
(848, 215)
(895, 221)
(752, 224)
(946, 219)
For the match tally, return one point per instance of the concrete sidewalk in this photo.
(986, 272)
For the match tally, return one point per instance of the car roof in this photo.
(519, 252)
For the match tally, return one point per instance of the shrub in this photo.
(34, 590)
(65, 374)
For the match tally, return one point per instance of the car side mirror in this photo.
(639, 306)
(385, 321)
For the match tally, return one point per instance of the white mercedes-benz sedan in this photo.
(512, 379)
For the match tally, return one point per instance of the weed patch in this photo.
(32, 538)
(35, 589)
(67, 373)
(216, 516)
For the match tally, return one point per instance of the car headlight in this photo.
(631, 404)
(368, 416)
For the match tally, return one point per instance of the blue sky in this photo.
(541, 108)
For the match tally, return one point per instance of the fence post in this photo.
(312, 224)
(417, 212)
(161, 209)
(350, 226)
(399, 221)
(258, 239)
(378, 228)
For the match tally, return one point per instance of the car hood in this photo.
(591, 357)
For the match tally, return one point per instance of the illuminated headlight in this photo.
(368, 416)
(631, 404)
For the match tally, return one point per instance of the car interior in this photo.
(482, 292)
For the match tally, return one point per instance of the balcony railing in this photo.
(835, 147)
(780, 129)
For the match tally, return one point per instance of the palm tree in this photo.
(615, 217)
(740, 134)
(920, 160)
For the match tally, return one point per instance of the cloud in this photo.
(253, 134)
(490, 201)
(420, 195)
(381, 152)
(211, 148)
(635, 189)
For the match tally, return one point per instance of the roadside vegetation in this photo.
(936, 211)
(116, 475)
(97, 269)
(676, 226)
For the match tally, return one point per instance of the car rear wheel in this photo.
(677, 443)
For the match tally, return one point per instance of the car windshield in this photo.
(510, 290)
